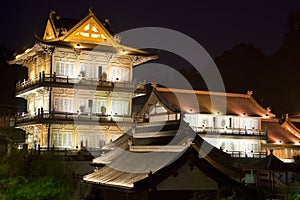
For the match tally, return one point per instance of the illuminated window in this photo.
(62, 139)
(63, 104)
(249, 146)
(120, 107)
(92, 140)
(89, 71)
(11, 122)
(99, 106)
(192, 119)
(64, 69)
(231, 145)
(119, 74)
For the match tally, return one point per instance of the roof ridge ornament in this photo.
(52, 12)
(268, 110)
(91, 10)
(250, 92)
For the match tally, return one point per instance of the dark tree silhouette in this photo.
(9, 76)
(273, 78)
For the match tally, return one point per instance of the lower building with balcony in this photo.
(231, 122)
(283, 137)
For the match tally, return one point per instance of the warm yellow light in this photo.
(279, 142)
(266, 116)
(95, 29)
(289, 129)
(26, 51)
(84, 34)
(288, 160)
(103, 37)
(87, 27)
(123, 52)
(93, 35)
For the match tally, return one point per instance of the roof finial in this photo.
(91, 10)
(107, 21)
(52, 12)
(249, 92)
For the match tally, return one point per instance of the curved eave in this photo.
(167, 106)
(109, 186)
(81, 47)
(291, 128)
(133, 51)
(259, 107)
(255, 110)
(28, 52)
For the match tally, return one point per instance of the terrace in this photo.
(232, 132)
(71, 118)
(51, 80)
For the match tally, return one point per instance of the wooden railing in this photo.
(243, 154)
(61, 116)
(58, 80)
(231, 131)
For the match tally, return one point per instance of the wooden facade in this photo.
(79, 85)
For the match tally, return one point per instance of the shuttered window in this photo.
(64, 69)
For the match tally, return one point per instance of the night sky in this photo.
(217, 25)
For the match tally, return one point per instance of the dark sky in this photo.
(217, 25)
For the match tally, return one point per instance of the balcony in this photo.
(73, 118)
(78, 83)
(243, 154)
(232, 132)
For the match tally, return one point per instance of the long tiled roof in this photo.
(112, 177)
(270, 163)
(124, 167)
(278, 134)
(190, 101)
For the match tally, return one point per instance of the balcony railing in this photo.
(243, 154)
(57, 81)
(61, 117)
(230, 131)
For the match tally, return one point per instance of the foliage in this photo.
(41, 177)
(293, 191)
(13, 133)
(227, 193)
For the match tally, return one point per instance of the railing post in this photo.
(54, 76)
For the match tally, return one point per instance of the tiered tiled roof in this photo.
(190, 101)
(284, 132)
(278, 134)
(140, 160)
(270, 163)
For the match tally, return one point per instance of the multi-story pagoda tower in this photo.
(79, 85)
